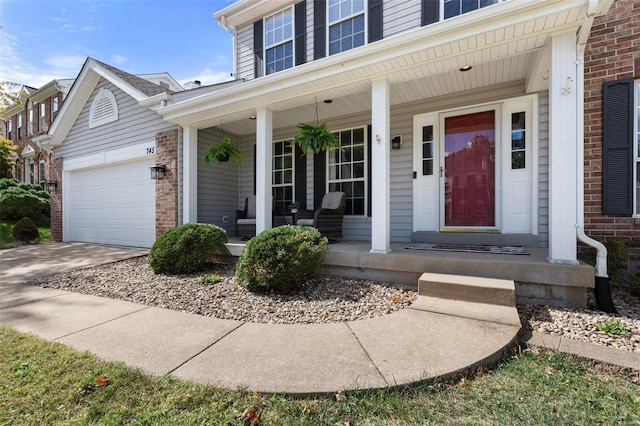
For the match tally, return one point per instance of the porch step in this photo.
(507, 315)
(468, 289)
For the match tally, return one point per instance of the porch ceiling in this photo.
(502, 46)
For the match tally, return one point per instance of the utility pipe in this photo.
(602, 288)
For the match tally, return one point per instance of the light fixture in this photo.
(466, 68)
(396, 141)
(327, 101)
(157, 171)
(51, 186)
(252, 117)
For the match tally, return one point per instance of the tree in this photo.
(10, 94)
(7, 147)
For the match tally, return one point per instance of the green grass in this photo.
(48, 383)
(6, 232)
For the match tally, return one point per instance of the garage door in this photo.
(113, 204)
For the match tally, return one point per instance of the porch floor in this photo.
(537, 281)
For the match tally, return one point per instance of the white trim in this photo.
(329, 24)
(292, 39)
(128, 153)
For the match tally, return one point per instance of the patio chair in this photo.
(328, 218)
(246, 218)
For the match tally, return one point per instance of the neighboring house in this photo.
(612, 124)
(27, 120)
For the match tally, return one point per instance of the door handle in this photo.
(443, 171)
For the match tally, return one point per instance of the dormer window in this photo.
(346, 25)
(278, 41)
(104, 108)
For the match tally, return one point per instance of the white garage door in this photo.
(113, 204)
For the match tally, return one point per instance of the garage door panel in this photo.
(114, 204)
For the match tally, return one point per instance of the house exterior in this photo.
(612, 125)
(29, 119)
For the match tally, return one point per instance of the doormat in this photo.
(469, 248)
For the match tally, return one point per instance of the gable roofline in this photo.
(51, 88)
(81, 90)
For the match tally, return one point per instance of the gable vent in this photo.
(104, 108)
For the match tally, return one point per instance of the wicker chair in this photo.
(246, 218)
(328, 218)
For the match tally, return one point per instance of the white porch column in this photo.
(564, 111)
(380, 166)
(264, 149)
(189, 174)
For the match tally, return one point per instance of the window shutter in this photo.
(375, 20)
(430, 11)
(258, 55)
(369, 192)
(617, 147)
(301, 32)
(319, 29)
(301, 176)
(319, 178)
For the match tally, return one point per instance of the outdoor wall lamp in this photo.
(157, 171)
(396, 141)
(51, 186)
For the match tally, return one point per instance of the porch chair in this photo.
(328, 218)
(246, 218)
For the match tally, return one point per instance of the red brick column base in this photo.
(167, 188)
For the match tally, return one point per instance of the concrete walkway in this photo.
(407, 346)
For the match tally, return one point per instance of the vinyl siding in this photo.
(135, 125)
(245, 53)
(399, 16)
(543, 169)
(217, 185)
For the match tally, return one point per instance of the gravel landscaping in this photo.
(323, 299)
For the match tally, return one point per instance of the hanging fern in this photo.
(222, 152)
(315, 137)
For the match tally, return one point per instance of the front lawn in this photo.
(6, 232)
(48, 383)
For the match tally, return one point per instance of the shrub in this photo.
(7, 183)
(279, 258)
(24, 201)
(25, 230)
(186, 248)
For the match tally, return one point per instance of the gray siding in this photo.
(543, 169)
(135, 125)
(217, 185)
(400, 15)
(245, 53)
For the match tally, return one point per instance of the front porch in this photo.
(537, 280)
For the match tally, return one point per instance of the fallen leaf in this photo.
(249, 415)
(307, 410)
(340, 396)
(463, 382)
(396, 299)
(102, 381)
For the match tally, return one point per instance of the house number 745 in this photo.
(151, 150)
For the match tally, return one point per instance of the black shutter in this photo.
(301, 32)
(617, 147)
(369, 192)
(258, 55)
(319, 29)
(301, 176)
(375, 20)
(430, 11)
(319, 178)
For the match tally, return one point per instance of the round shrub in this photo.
(25, 230)
(24, 201)
(279, 258)
(186, 248)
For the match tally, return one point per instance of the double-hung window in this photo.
(54, 107)
(283, 173)
(460, 7)
(19, 126)
(10, 129)
(30, 119)
(43, 121)
(278, 41)
(347, 170)
(346, 25)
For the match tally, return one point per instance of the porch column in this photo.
(189, 174)
(380, 166)
(264, 149)
(564, 111)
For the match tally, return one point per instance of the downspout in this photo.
(223, 23)
(602, 288)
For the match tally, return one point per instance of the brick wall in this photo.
(612, 53)
(55, 202)
(167, 188)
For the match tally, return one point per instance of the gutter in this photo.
(234, 35)
(602, 287)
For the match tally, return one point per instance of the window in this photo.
(104, 108)
(278, 41)
(460, 7)
(10, 128)
(30, 170)
(30, 119)
(20, 126)
(347, 170)
(41, 172)
(518, 147)
(54, 107)
(427, 151)
(43, 121)
(346, 25)
(283, 173)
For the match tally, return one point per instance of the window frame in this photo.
(42, 122)
(329, 24)
(365, 176)
(285, 143)
(460, 2)
(283, 42)
(30, 119)
(10, 129)
(55, 107)
(19, 127)
(42, 171)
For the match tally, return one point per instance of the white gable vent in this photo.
(104, 109)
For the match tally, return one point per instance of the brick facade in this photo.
(55, 202)
(612, 53)
(167, 188)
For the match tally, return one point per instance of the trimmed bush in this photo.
(278, 259)
(18, 200)
(25, 230)
(186, 248)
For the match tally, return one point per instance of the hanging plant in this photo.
(316, 137)
(223, 151)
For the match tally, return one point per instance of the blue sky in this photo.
(45, 40)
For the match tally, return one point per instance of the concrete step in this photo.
(507, 315)
(468, 289)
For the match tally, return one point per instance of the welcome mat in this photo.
(468, 248)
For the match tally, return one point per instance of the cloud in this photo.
(209, 76)
(118, 59)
